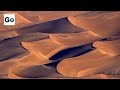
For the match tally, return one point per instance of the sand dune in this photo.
(101, 76)
(102, 60)
(75, 39)
(6, 35)
(56, 26)
(110, 66)
(49, 49)
(60, 45)
(45, 48)
(43, 16)
(4, 68)
(20, 22)
(104, 24)
(11, 48)
(110, 47)
(70, 67)
(35, 71)
(42, 51)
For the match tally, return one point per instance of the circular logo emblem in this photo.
(12, 19)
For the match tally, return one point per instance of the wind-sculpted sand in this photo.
(104, 24)
(60, 45)
(20, 22)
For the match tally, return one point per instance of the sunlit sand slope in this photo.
(20, 22)
(103, 23)
(103, 60)
(75, 39)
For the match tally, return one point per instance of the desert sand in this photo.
(60, 45)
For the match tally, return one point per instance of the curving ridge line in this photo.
(104, 24)
(56, 26)
(103, 60)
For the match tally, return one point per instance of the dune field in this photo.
(60, 45)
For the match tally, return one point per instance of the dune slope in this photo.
(20, 22)
(103, 23)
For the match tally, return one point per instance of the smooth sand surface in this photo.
(7, 35)
(44, 16)
(102, 60)
(110, 47)
(20, 22)
(61, 25)
(103, 23)
(101, 76)
(75, 39)
(60, 45)
(45, 48)
(71, 67)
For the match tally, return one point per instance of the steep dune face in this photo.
(43, 16)
(103, 60)
(45, 48)
(104, 24)
(10, 48)
(75, 39)
(84, 45)
(20, 22)
(23, 66)
(110, 47)
(35, 71)
(70, 67)
(109, 66)
(6, 35)
(56, 26)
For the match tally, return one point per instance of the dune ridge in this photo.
(20, 22)
(61, 44)
(105, 24)
(106, 62)
(75, 39)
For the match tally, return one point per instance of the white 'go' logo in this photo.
(9, 19)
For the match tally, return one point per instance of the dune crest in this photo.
(20, 22)
(105, 24)
(103, 60)
(110, 47)
(60, 45)
(43, 16)
(45, 48)
(75, 39)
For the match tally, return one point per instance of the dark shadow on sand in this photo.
(69, 53)
(55, 26)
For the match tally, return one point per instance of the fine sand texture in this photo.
(101, 23)
(60, 45)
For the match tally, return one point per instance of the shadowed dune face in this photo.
(43, 16)
(104, 24)
(35, 71)
(6, 35)
(109, 47)
(103, 60)
(71, 67)
(10, 48)
(71, 52)
(61, 44)
(55, 26)
(24, 38)
(91, 63)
